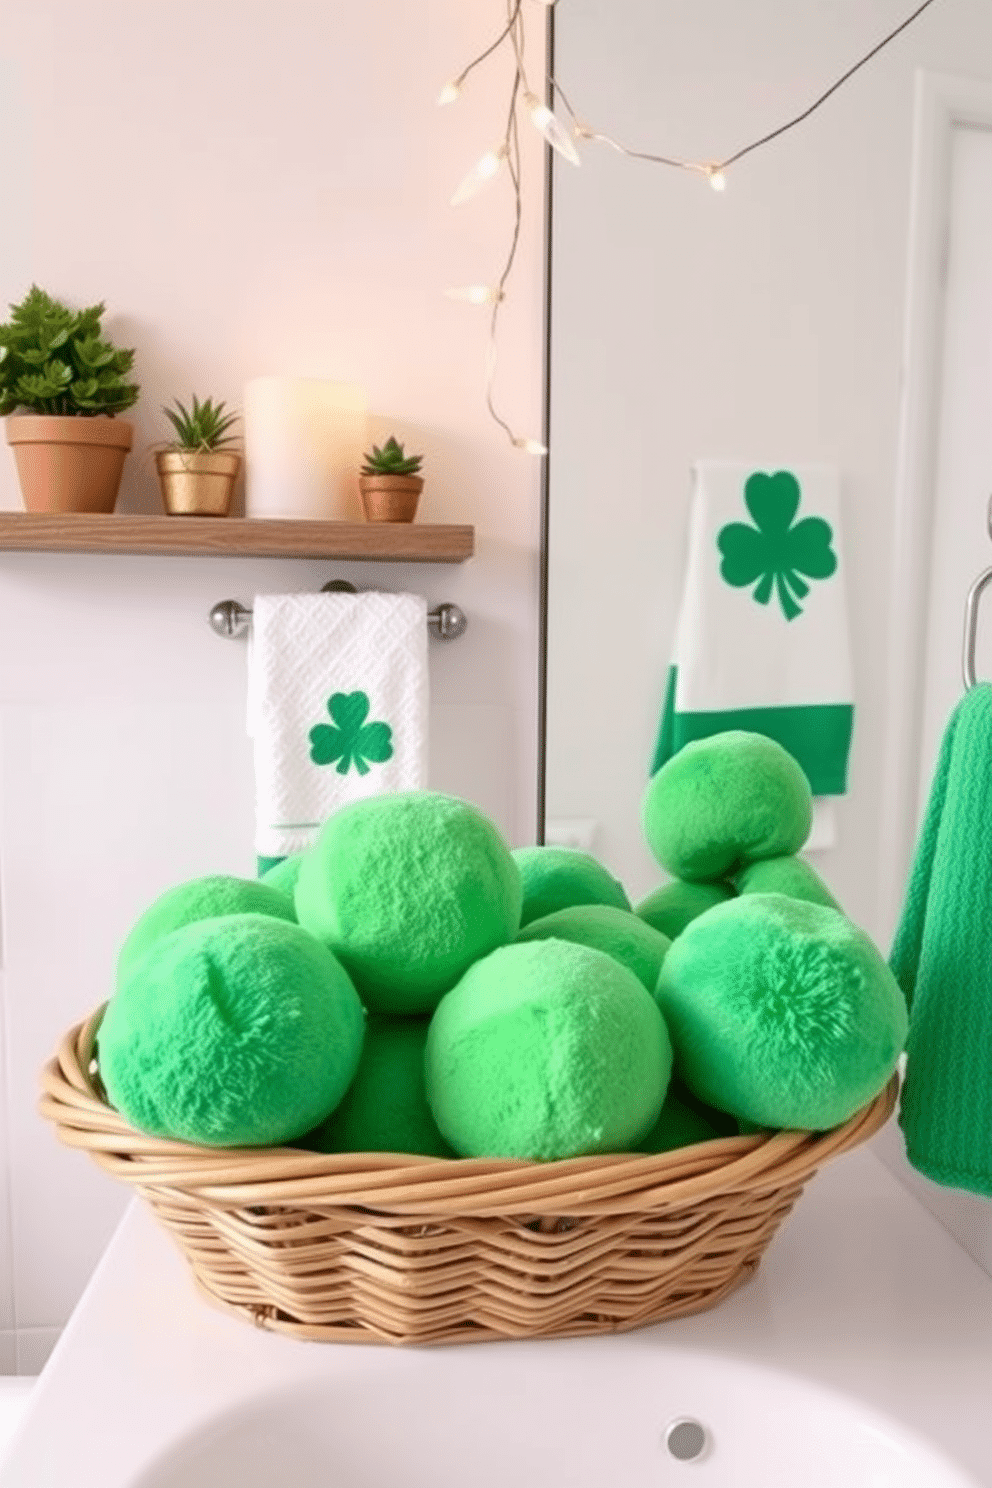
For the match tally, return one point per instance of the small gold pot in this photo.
(197, 483)
(390, 498)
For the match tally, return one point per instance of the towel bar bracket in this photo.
(230, 619)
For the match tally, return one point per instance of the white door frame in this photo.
(942, 104)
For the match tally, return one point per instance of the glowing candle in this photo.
(304, 441)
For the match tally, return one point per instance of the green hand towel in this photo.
(942, 959)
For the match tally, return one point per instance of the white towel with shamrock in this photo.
(337, 707)
(762, 638)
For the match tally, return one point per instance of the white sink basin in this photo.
(860, 1356)
(584, 1419)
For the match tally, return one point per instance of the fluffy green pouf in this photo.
(408, 890)
(385, 1109)
(200, 899)
(556, 878)
(723, 802)
(790, 876)
(618, 932)
(781, 1012)
(684, 1122)
(235, 1032)
(672, 907)
(283, 875)
(546, 1050)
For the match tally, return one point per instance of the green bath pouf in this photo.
(546, 1050)
(618, 932)
(234, 1032)
(673, 906)
(683, 1122)
(385, 1109)
(200, 899)
(791, 876)
(781, 1012)
(408, 890)
(283, 875)
(723, 802)
(556, 878)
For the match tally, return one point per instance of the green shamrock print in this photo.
(773, 553)
(352, 741)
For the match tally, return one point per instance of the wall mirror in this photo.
(777, 321)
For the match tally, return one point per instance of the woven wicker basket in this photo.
(375, 1247)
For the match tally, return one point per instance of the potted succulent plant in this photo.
(62, 385)
(196, 469)
(390, 483)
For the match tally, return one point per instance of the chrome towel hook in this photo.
(971, 614)
(230, 619)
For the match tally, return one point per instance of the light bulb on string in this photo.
(551, 127)
(529, 446)
(716, 177)
(476, 294)
(482, 172)
(450, 93)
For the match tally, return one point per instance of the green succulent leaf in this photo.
(390, 460)
(351, 741)
(774, 553)
(34, 378)
(202, 426)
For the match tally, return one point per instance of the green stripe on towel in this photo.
(817, 735)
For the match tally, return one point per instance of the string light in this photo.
(482, 172)
(561, 139)
(485, 170)
(476, 294)
(551, 127)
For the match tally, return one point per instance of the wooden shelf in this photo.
(234, 537)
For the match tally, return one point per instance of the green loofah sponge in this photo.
(781, 1012)
(234, 1032)
(790, 876)
(546, 1050)
(723, 802)
(199, 899)
(684, 1121)
(556, 878)
(385, 1109)
(618, 932)
(408, 890)
(283, 875)
(670, 908)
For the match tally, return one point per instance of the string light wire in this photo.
(550, 127)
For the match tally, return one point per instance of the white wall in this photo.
(252, 189)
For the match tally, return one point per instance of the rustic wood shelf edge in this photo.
(234, 537)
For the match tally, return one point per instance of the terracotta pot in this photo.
(69, 463)
(390, 498)
(197, 483)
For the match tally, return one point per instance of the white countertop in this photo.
(862, 1291)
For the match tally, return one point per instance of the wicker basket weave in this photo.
(376, 1247)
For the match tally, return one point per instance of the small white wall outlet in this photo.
(578, 832)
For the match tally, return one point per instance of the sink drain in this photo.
(686, 1440)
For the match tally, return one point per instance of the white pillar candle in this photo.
(304, 441)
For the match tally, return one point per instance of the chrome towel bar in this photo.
(230, 619)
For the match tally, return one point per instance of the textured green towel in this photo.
(942, 959)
